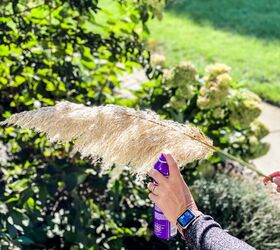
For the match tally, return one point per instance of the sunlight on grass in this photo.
(254, 61)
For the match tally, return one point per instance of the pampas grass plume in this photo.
(117, 135)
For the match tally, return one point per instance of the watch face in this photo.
(186, 218)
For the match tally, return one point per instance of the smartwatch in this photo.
(186, 219)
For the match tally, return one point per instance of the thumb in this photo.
(173, 166)
(270, 176)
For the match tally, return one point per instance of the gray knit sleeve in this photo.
(206, 234)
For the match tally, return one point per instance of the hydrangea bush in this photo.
(223, 109)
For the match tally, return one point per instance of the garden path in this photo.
(271, 161)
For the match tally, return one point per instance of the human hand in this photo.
(171, 194)
(275, 176)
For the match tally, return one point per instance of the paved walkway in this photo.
(271, 161)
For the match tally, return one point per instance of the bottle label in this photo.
(162, 227)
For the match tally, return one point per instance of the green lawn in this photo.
(243, 34)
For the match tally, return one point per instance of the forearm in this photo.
(206, 234)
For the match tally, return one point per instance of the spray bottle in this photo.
(162, 227)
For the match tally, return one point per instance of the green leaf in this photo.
(134, 18)
(4, 50)
(25, 240)
(30, 203)
(49, 85)
(71, 181)
(18, 81)
(12, 231)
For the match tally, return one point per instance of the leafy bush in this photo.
(223, 110)
(51, 51)
(245, 208)
(67, 205)
(67, 50)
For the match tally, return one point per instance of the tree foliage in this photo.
(49, 51)
(67, 50)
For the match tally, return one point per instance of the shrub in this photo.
(242, 206)
(225, 111)
(50, 51)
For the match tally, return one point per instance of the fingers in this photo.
(153, 188)
(266, 179)
(157, 176)
(274, 174)
(153, 197)
(276, 180)
(173, 167)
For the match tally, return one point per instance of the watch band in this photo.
(181, 229)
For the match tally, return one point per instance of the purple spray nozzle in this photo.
(162, 158)
(162, 166)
